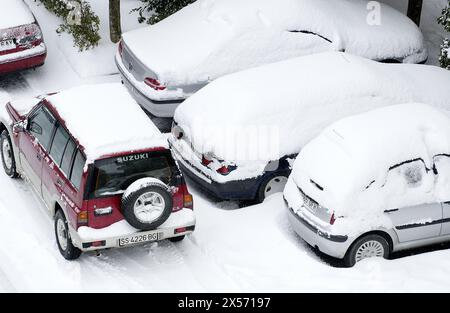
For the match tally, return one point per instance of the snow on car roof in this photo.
(299, 97)
(14, 13)
(363, 147)
(211, 38)
(105, 120)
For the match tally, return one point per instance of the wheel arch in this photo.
(383, 233)
(57, 207)
(2, 127)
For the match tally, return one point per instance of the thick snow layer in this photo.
(106, 119)
(279, 107)
(14, 13)
(358, 164)
(211, 38)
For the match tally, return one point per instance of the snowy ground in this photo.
(232, 249)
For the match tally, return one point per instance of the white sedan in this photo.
(165, 63)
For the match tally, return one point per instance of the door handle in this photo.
(38, 156)
(59, 182)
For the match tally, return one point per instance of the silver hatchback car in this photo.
(374, 183)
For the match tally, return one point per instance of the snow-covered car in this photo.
(21, 42)
(237, 136)
(101, 167)
(374, 183)
(164, 64)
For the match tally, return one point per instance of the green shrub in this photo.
(159, 9)
(83, 24)
(444, 20)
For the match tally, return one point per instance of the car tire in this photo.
(272, 183)
(8, 160)
(372, 245)
(63, 240)
(177, 239)
(138, 213)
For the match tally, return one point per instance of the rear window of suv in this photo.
(113, 176)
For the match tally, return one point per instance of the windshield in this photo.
(113, 176)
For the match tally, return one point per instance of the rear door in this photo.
(74, 187)
(417, 222)
(53, 180)
(34, 142)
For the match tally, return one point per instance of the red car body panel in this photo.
(22, 64)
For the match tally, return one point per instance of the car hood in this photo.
(210, 38)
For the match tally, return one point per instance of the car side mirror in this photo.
(20, 126)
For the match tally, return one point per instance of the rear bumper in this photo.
(333, 245)
(231, 190)
(111, 235)
(163, 108)
(26, 59)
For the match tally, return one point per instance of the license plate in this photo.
(136, 239)
(7, 45)
(310, 204)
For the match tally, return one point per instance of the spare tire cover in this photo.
(147, 203)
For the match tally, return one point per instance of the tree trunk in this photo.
(115, 29)
(415, 10)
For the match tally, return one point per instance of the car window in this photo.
(41, 125)
(77, 169)
(67, 158)
(410, 173)
(114, 175)
(59, 144)
(407, 184)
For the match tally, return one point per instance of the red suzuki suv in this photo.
(101, 167)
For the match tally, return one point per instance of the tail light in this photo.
(332, 219)
(153, 83)
(205, 161)
(223, 170)
(188, 201)
(120, 47)
(180, 230)
(82, 218)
